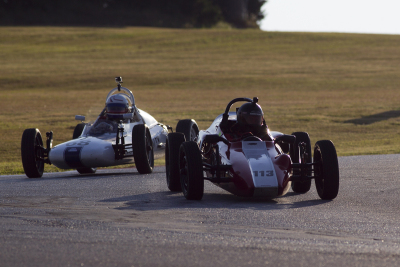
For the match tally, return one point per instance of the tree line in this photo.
(155, 13)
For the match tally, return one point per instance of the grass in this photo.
(329, 85)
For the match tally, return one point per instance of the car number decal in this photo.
(263, 173)
(78, 143)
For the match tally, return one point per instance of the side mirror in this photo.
(79, 118)
(214, 138)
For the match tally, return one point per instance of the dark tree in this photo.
(159, 13)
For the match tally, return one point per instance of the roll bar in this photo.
(225, 116)
(228, 107)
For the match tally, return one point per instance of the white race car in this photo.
(122, 134)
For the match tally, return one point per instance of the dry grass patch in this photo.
(312, 82)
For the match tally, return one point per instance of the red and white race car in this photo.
(247, 164)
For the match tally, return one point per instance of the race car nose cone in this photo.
(262, 169)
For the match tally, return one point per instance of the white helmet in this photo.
(116, 106)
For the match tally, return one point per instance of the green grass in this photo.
(313, 82)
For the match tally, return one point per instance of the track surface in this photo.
(122, 218)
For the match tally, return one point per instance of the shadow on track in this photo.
(171, 200)
(375, 117)
(76, 175)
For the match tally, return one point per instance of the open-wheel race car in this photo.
(239, 154)
(121, 134)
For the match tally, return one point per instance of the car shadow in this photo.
(173, 200)
(73, 175)
(375, 117)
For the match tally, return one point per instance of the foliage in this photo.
(159, 13)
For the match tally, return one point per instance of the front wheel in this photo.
(301, 187)
(173, 143)
(326, 170)
(189, 128)
(32, 153)
(142, 148)
(191, 171)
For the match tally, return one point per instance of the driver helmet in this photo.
(250, 116)
(117, 105)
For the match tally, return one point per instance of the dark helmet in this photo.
(251, 115)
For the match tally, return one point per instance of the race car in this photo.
(255, 163)
(121, 134)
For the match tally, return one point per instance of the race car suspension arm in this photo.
(120, 148)
(49, 145)
(304, 171)
(42, 153)
(216, 169)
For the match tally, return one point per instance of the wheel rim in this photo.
(149, 148)
(167, 169)
(38, 153)
(317, 170)
(184, 173)
(193, 134)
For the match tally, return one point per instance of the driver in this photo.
(250, 121)
(116, 106)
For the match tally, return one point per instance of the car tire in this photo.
(142, 148)
(191, 171)
(173, 143)
(32, 153)
(78, 130)
(189, 128)
(301, 187)
(326, 170)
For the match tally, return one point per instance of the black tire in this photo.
(189, 128)
(326, 169)
(32, 153)
(174, 141)
(78, 130)
(301, 187)
(191, 171)
(142, 148)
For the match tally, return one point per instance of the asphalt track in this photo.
(122, 218)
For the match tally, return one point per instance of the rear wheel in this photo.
(326, 170)
(78, 130)
(189, 128)
(191, 171)
(142, 147)
(32, 153)
(301, 187)
(174, 141)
